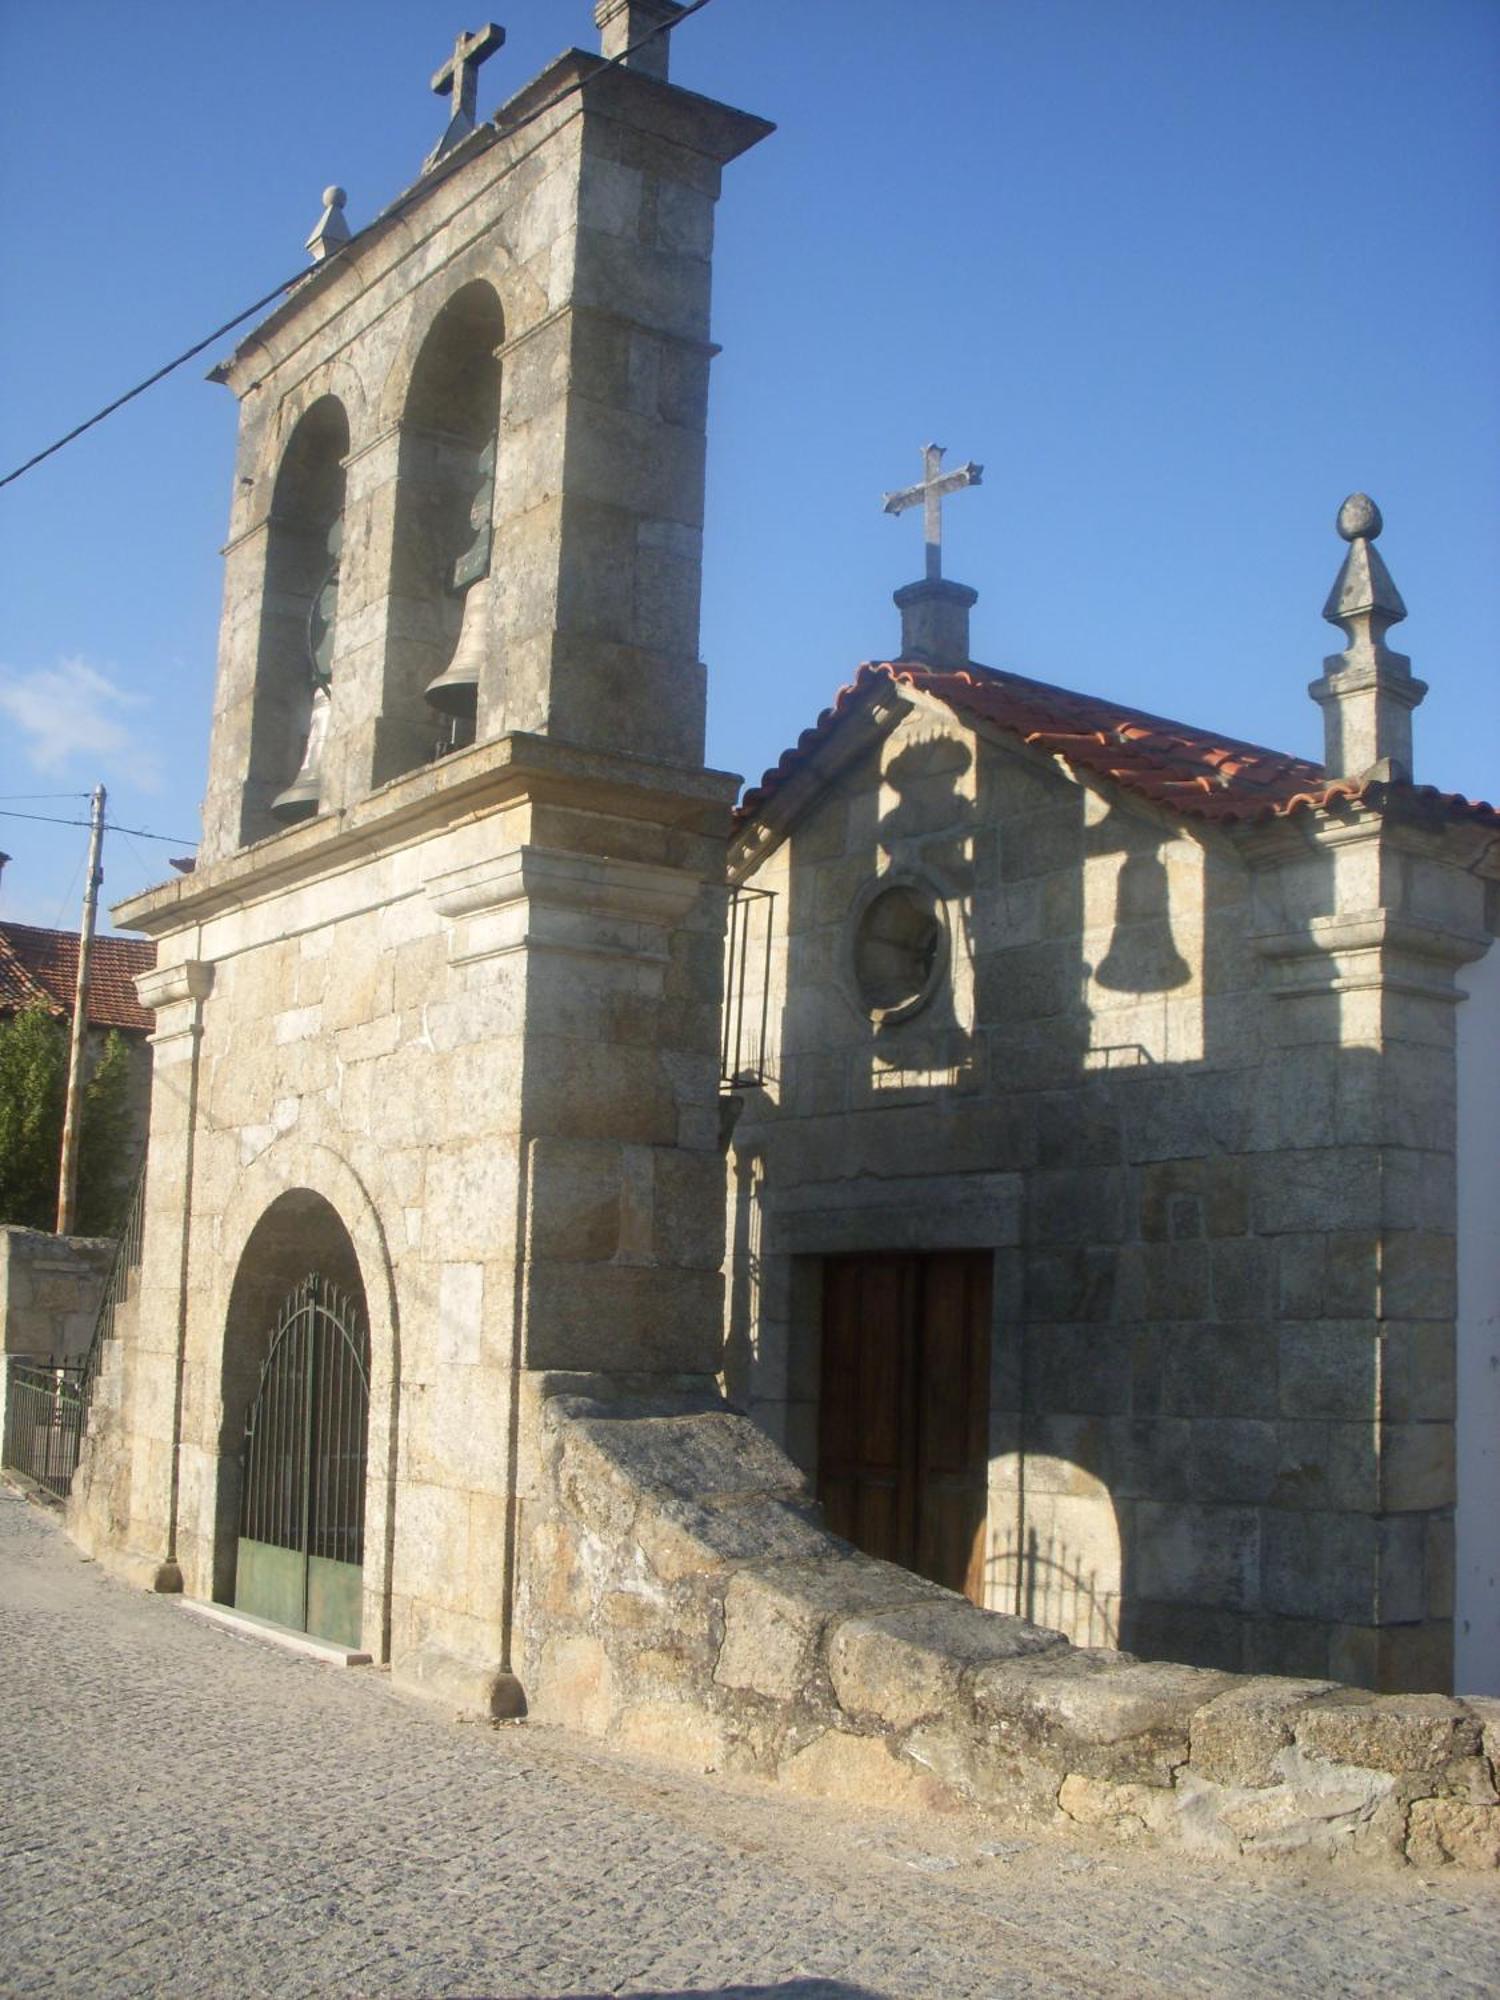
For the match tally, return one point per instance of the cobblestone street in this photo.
(189, 1812)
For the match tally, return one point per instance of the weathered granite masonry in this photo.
(49, 1294)
(682, 1597)
(451, 1042)
(49, 1290)
(1193, 1086)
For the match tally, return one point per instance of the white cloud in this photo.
(74, 713)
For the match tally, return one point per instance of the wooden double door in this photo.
(903, 1423)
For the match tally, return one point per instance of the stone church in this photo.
(1108, 1108)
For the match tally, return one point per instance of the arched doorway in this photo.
(300, 1556)
(290, 1538)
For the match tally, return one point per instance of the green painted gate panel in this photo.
(301, 1547)
(335, 1600)
(271, 1583)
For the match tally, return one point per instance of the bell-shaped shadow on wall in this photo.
(912, 949)
(1143, 955)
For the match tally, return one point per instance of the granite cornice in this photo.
(1373, 930)
(1402, 826)
(468, 786)
(1368, 950)
(702, 125)
(546, 898)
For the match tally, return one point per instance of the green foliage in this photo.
(33, 1092)
(33, 1086)
(103, 1146)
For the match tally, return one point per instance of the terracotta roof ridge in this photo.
(1195, 772)
(978, 675)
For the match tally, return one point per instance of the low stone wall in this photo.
(50, 1288)
(681, 1596)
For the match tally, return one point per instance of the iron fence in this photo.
(44, 1417)
(747, 987)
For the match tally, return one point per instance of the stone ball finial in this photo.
(1359, 516)
(331, 231)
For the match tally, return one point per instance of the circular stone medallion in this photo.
(898, 948)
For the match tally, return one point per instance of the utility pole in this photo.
(67, 1180)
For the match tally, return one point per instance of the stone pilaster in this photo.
(1356, 1189)
(176, 995)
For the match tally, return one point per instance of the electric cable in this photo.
(110, 826)
(421, 189)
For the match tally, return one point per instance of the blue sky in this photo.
(1180, 274)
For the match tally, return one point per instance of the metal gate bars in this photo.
(302, 1510)
(44, 1418)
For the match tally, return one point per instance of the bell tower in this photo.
(469, 493)
(448, 972)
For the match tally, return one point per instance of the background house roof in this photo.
(1193, 771)
(40, 968)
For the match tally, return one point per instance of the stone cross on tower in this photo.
(458, 80)
(930, 491)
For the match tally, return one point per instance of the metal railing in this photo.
(747, 987)
(122, 1270)
(44, 1416)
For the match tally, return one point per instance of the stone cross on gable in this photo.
(458, 80)
(930, 492)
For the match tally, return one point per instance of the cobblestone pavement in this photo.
(184, 1811)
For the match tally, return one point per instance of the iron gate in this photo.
(44, 1418)
(302, 1508)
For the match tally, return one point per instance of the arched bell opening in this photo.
(299, 615)
(293, 1446)
(442, 600)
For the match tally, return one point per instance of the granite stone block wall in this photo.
(1222, 1114)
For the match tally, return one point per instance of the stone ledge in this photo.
(249, 1627)
(679, 1592)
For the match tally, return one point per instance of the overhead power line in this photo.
(111, 826)
(420, 191)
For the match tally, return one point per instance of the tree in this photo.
(33, 1092)
(103, 1160)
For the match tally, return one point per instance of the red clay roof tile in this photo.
(40, 968)
(1192, 771)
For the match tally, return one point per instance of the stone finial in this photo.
(623, 24)
(1367, 692)
(332, 231)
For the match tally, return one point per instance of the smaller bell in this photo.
(301, 798)
(456, 689)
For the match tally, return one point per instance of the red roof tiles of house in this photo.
(40, 968)
(1192, 771)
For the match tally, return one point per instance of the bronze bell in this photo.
(301, 798)
(456, 689)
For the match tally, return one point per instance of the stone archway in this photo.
(300, 1553)
(295, 1341)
